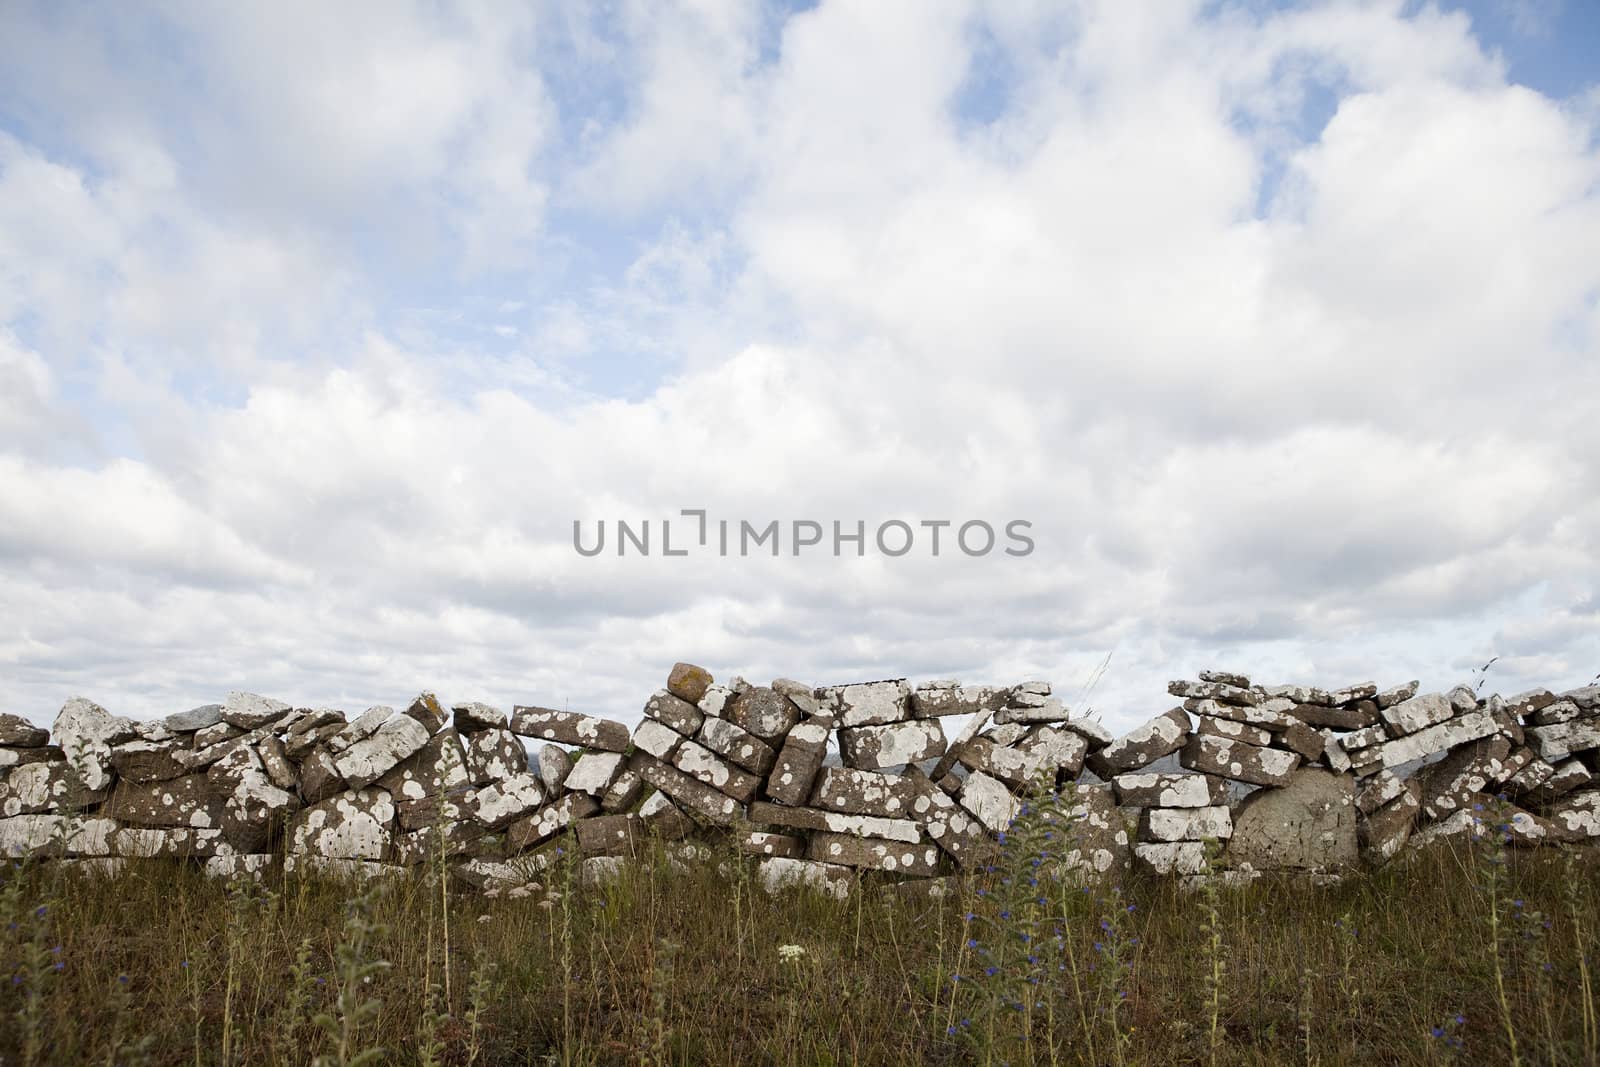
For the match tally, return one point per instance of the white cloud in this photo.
(1342, 435)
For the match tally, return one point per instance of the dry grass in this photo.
(163, 966)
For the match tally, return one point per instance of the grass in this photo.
(1452, 957)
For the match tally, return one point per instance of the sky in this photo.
(321, 325)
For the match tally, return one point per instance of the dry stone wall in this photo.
(1238, 777)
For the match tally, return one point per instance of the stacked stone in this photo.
(253, 783)
(1242, 734)
(1178, 815)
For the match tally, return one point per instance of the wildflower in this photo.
(790, 953)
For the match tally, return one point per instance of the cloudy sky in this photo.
(321, 324)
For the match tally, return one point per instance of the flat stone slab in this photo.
(1233, 731)
(499, 803)
(472, 716)
(1260, 717)
(367, 760)
(492, 754)
(1143, 745)
(319, 778)
(56, 834)
(609, 835)
(570, 728)
(1381, 789)
(40, 787)
(147, 761)
(699, 762)
(662, 818)
(998, 761)
(250, 711)
(17, 732)
(168, 842)
(534, 830)
(737, 745)
(1168, 790)
(1438, 738)
(657, 738)
(1417, 713)
(929, 701)
(1305, 741)
(1453, 782)
(956, 831)
(1185, 824)
(863, 792)
(1091, 730)
(1047, 709)
(871, 748)
(1381, 834)
(360, 728)
(186, 801)
(989, 801)
(763, 843)
(623, 792)
(1358, 716)
(194, 719)
(1218, 691)
(1399, 694)
(681, 716)
(1564, 778)
(1172, 858)
(1577, 814)
(868, 703)
(1560, 740)
(1096, 834)
(870, 853)
(766, 713)
(692, 793)
(354, 825)
(554, 765)
(906, 831)
(778, 874)
(594, 772)
(1238, 761)
(439, 766)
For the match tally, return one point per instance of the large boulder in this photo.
(86, 733)
(1309, 824)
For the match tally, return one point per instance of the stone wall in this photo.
(1277, 776)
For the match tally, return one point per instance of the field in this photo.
(1477, 955)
